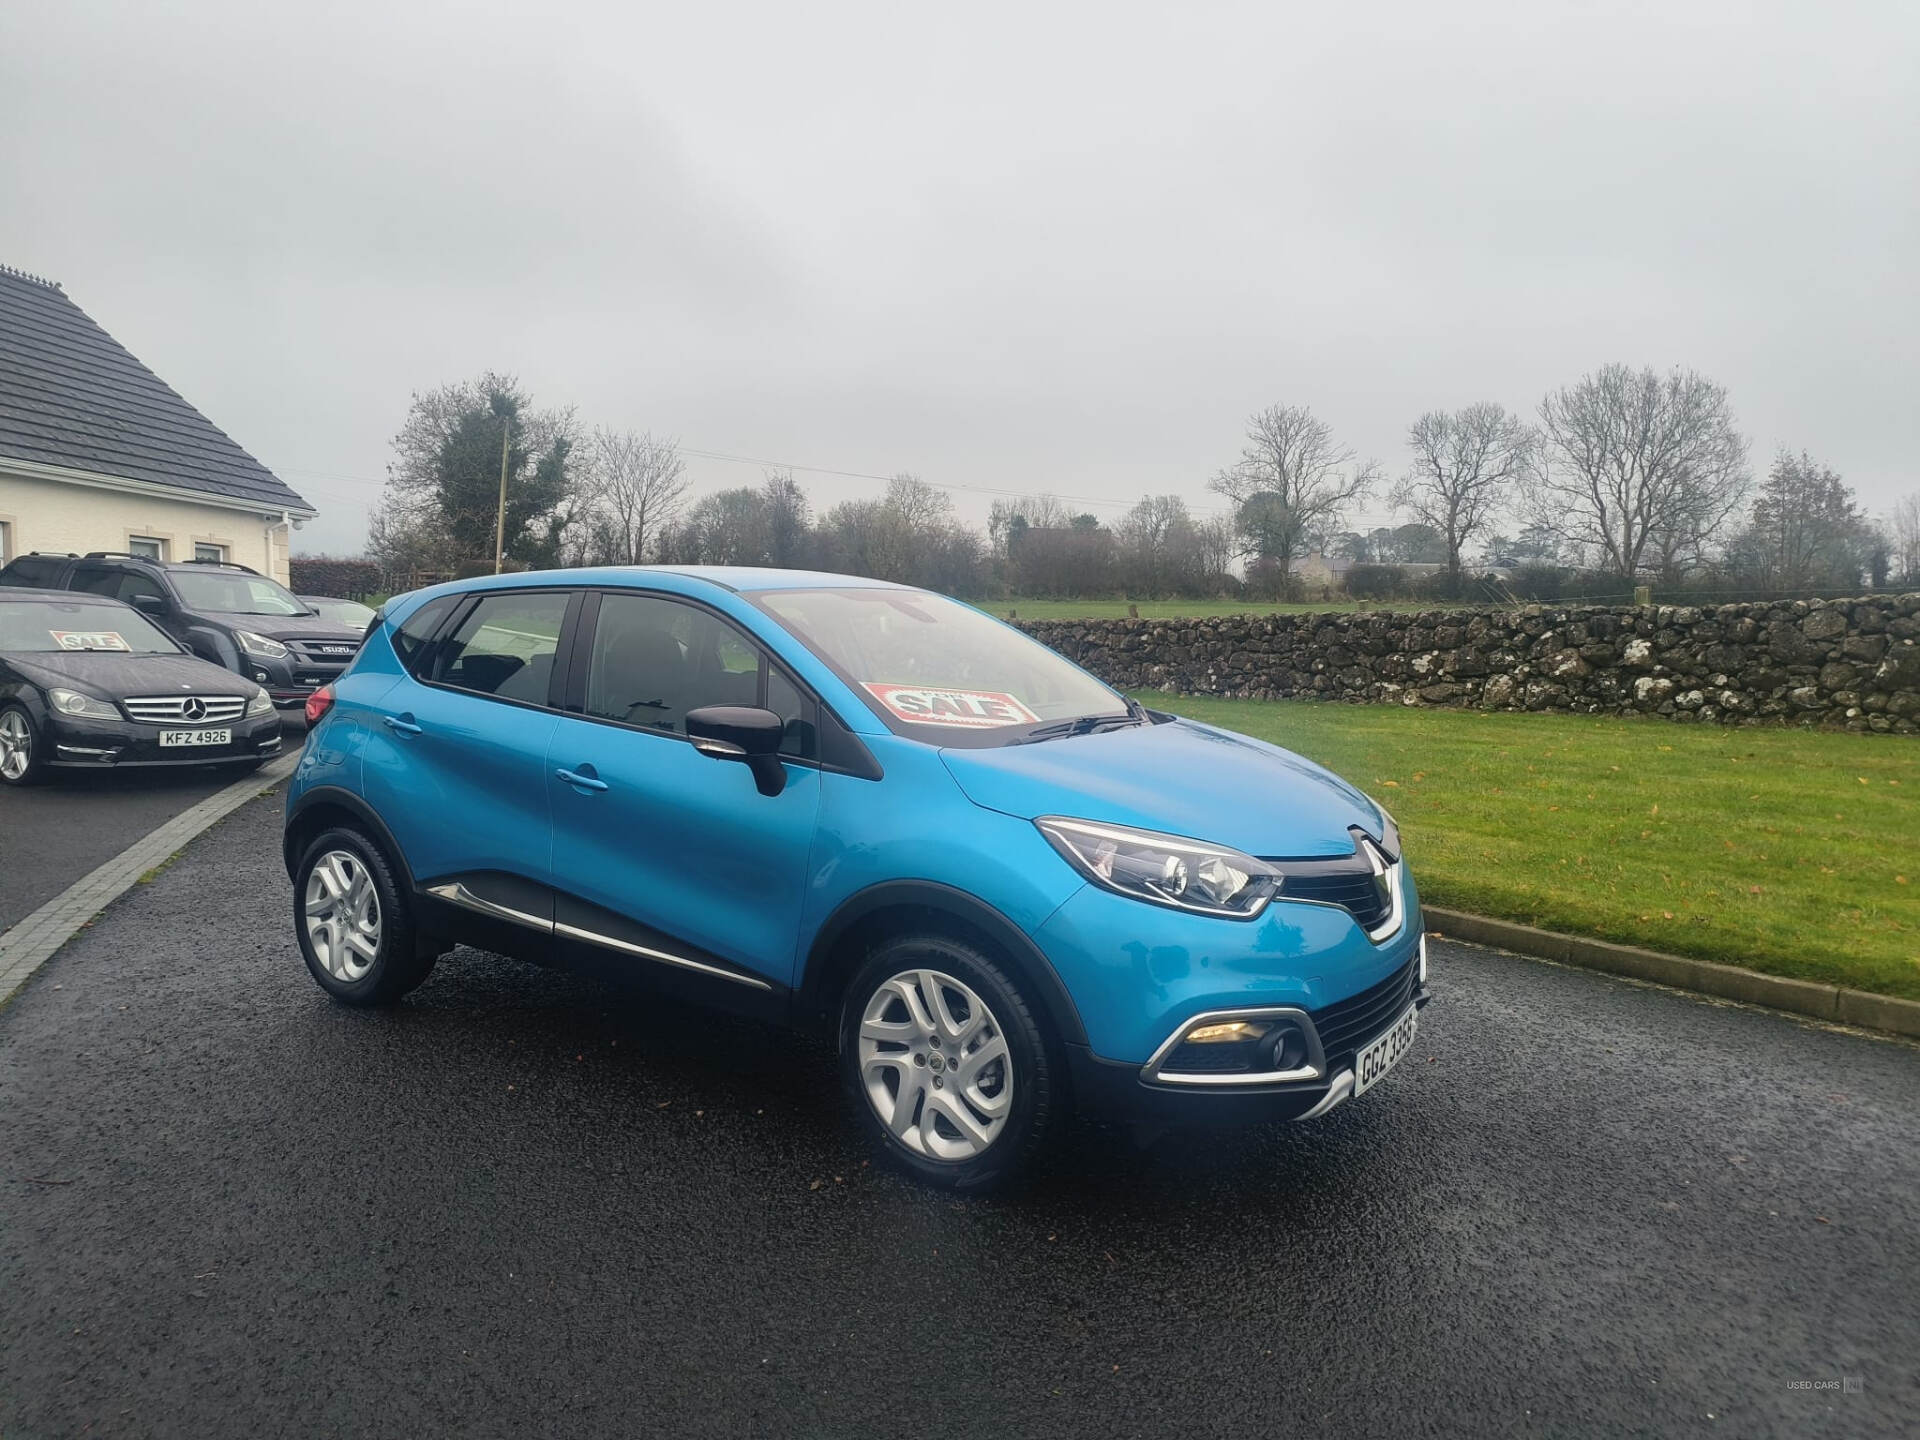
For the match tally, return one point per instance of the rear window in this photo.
(410, 637)
(33, 572)
(505, 646)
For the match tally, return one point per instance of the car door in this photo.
(663, 856)
(455, 766)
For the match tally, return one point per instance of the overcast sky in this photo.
(1024, 248)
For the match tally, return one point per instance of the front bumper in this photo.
(1123, 1091)
(1140, 976)
(86, 744)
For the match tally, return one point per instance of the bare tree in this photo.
(789, 520)
(1159, 547)
(638, 484)
(1464, 464)
(1291, 484)
(1636, 469)
(1906, 539)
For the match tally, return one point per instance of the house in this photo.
(1318, 568)
(98, 453)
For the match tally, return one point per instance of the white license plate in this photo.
(1383, 1054)
(195, 737)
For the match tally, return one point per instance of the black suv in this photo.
(226, 613)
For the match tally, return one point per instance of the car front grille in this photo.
(1347, 1024)
(1353, 890)
(186, 709)
(323, 652)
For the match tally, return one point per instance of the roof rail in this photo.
(114, 555)
(222, 564)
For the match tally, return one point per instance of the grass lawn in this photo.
(1788, 851)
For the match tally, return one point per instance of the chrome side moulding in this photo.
(592, 937)
(457, 894)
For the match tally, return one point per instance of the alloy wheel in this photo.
(935, 1066)
(16, 745)
(343, 915)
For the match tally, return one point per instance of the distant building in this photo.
(1316, 568)
(97, 453)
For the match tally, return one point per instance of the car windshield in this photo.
(937, 670)
(235, 593)
(43, 626)
(350, 613)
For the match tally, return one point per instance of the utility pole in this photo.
(500, 520)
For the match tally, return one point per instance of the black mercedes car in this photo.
(235, 617)
(86, 682)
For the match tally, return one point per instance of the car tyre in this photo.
(354, 921)
(23, 759)
(888, 1029)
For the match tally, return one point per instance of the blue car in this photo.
(1002, 887)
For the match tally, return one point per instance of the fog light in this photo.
(1423, 959)
(1228, 1033)
(1287, 1050)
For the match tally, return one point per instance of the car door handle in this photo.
(404, 727)
(581, 782)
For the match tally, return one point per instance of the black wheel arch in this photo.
(324, 806)
(896, 906)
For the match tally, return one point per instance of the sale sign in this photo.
(89, 640)
(968, 709)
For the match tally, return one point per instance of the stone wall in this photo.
(1852, 664)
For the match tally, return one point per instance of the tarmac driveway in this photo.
(522, 1204)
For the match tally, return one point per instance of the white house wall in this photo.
(57, 516)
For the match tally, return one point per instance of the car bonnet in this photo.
(1180, 778)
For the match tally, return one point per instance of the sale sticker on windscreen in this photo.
(89, 640)
(968, 709)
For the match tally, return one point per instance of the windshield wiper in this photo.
(1084, 725)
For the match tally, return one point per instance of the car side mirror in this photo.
(743, 733)
(150, 604)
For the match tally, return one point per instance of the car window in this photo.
(654, 659)
(234, 592)
(97, 580)
(133, 583)
(785, 699)
(410, 639)
(936, 670)
(35, 572)
(46, 626)
(505, 646)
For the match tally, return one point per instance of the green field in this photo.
(1788, 851)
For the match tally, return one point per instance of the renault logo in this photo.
(194, 708)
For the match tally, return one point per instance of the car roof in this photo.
(77, 597)
(728, 577)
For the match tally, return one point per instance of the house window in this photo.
(6, 541)
(203, 551)
(146, 547)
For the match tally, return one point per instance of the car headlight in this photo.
(260, 704)
(1164, 869)
(259, 644)
(72, 702)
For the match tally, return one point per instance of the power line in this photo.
(1358, 522)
